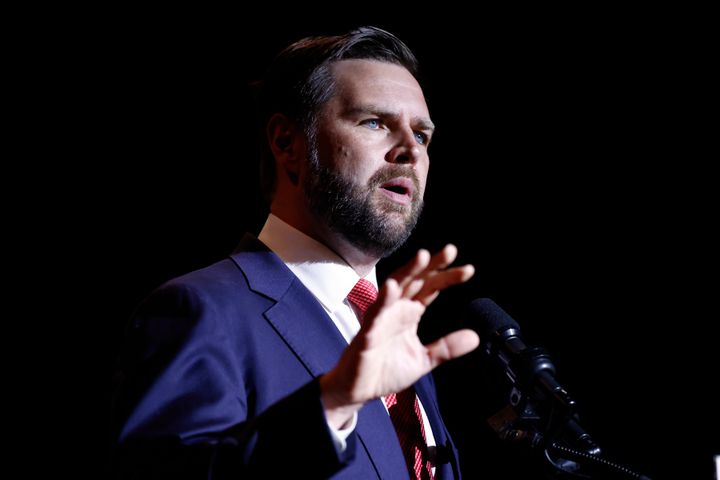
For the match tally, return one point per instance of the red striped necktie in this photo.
(403, 407)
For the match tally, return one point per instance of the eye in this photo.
(372, 123)
(421, 138)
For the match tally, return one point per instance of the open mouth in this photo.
(398, 189)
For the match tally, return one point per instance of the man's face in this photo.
(369, 164)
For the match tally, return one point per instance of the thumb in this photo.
(453, 345)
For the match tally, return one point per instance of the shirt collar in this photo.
(320, 269)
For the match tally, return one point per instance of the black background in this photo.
(572, 166)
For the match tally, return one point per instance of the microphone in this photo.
(540, 409)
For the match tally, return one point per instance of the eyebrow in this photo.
(421, 123)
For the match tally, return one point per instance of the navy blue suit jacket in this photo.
(219, 380)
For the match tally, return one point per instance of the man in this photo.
(266, 364)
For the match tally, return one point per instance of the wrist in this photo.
(339, 409)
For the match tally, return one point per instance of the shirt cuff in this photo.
(339, 436)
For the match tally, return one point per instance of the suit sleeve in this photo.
(181, 403)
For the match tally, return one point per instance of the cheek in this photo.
(334, 151)
(422, 172)
(344, 162)
(353, 162)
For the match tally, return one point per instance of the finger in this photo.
(438, 262)
(442, 280)
(424, 265)
(427, 298)
(392, 315)
(405, 274)
(413, 288)
(389, 293)
(443, 258)
(451, 346)
(449, 277)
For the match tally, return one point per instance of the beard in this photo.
(348, 209)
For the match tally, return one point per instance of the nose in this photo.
(406, 148)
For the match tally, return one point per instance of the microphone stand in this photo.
(547, 419)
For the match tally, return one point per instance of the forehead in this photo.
(373, 82)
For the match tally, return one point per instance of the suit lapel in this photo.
(305, 326)
(297, 316)
(377, 434)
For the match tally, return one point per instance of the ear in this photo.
(283, 135)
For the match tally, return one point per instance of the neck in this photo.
(360, 262)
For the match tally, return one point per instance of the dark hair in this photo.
(298, 82)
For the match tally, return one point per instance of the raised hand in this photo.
(386, 355)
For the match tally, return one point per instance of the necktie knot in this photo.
(362, 295)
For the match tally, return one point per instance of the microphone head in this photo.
(491, 317)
